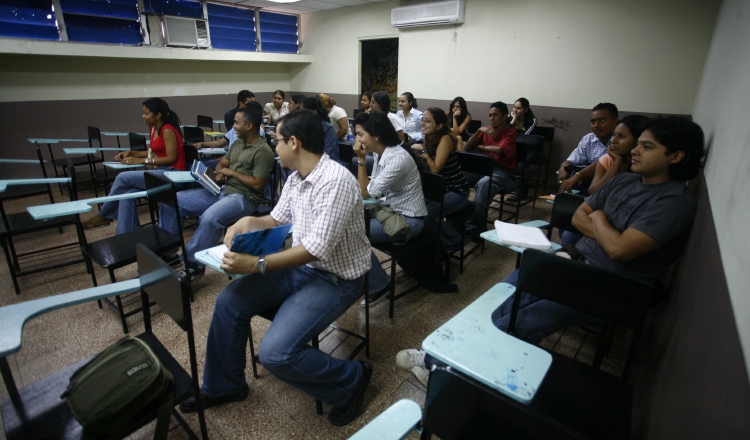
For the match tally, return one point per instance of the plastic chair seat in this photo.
(119, 250)
(23, 222)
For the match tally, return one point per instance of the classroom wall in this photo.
(643, 55)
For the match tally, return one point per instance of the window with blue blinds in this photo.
(231, 28)
(32, 19)
(278, 32)
(102, 21)
(181, 8)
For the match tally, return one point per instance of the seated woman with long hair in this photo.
(337, 115)
(617, 159)
(273, 111)
(382, 102)
(166, 144)
(439, 154)
(458, 120)
(521, 118)
(396, 178)
(410, 117)
(365, 101)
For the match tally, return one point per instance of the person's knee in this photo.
(273, 357)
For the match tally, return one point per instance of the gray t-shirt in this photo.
(663, 211)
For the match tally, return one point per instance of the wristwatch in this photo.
(423, 151)
(361, 164)
(261, 265)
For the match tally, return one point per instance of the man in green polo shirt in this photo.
(243, 172)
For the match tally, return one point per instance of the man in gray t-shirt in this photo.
(636, 224)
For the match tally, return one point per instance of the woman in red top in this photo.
(169, 154)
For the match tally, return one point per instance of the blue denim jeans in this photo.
(500, 179)
(309, 301)
(379, 279)
(216, 213)
(453, 202)
(124, 211)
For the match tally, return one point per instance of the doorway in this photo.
(379, 67)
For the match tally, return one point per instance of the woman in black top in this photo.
(458, 121)
(521, 117)
(439, 154)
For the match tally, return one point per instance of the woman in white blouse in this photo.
(337, 115)
(381, 101)
(276, 109)
(410, 117)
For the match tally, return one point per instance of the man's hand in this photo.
(224, 173)
(243, 225)
(198, 145)
(487, 130)
(562, 175)
(599, 214)
(238, 263)
(568, 184)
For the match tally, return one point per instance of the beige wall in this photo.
(721, 108)
(55, 78)
(642, 55)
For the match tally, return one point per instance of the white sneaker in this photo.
(422, 374)
(410, 358)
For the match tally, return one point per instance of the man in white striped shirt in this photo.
(312, 283)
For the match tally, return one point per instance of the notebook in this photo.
(264, 242)
(205, 176)
(523, 236)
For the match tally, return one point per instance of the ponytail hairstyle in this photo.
(525, 104)
(411, 99)
(383, 100)
(431, 142)
(326, 100)
(158, 105)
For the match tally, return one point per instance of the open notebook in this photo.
(523, 236)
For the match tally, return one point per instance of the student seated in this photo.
(458, 120)
(331, 146)
(394, 176)
(312, 283)
(617, 160)
(594, 145)
(636, 225)
(364, 101)
(243, 98)
(295, 101)
(498, 141)
(337, 115)
(243, 174)
(382, 102)
(276, 109)
(410, 117)
(521, 118)
(166, 144)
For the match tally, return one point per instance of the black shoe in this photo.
(346, 414)
(190, 405)
(193, 273)
(172, 258)
(378, 296)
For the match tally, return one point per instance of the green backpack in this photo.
(124, 382)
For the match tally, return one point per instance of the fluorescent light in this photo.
(284, 1)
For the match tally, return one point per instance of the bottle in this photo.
(349, 135)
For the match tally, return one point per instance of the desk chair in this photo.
(346, 154)
(192, 134)
(395, 423)
(103, 177)
(474, 125)
(364, 340)
(137, 142)
(517, 176)
(21, 223)
(548, 133)
(534, 157)
(482, 165)
(575, 398)
(78, 161)
(37, 411)
(433, 189)
(206, 122)
(563, 210)
(120, 250)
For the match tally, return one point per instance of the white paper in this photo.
(217, 252)
(522, 236)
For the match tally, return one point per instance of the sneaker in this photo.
(377, 297)
(193, 273)
(422, 374)
(410, 358)
(171, 258)
(97, 221)
(343, 415)
(191, 405)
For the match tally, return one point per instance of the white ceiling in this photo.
(303, 6)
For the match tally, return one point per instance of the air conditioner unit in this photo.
(428, 14)
(181, 32)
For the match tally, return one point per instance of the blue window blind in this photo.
(181, 8)
(231, 28)
(102, 21)
(33, 19)
(278, 33)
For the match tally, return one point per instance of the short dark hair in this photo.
(256, 105)
(680, 134)
(383, 100)
(280, 92)
(500, 105)
(250, 114)
(635, 123)
(297, 98)
(314, 104)
(305, 126)
(607, 106)
(377, 124)
(244, 94)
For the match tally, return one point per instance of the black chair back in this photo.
(191, 154)
(346, 153)
(522, 149)
(433, 187)
(604, 294)
(535, 147)
(94, 135)
(561, 218)
(207, 122)
(137, 142)
(548, 133)
(474, 125)
(193, 134)
(163, 285)
(476, 163)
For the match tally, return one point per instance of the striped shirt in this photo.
(455, 181)
(396, 175)
(328, 217)
(588, 151)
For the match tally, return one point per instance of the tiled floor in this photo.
(274, 410)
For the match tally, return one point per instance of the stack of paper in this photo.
(523, 236)
(205, 176)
